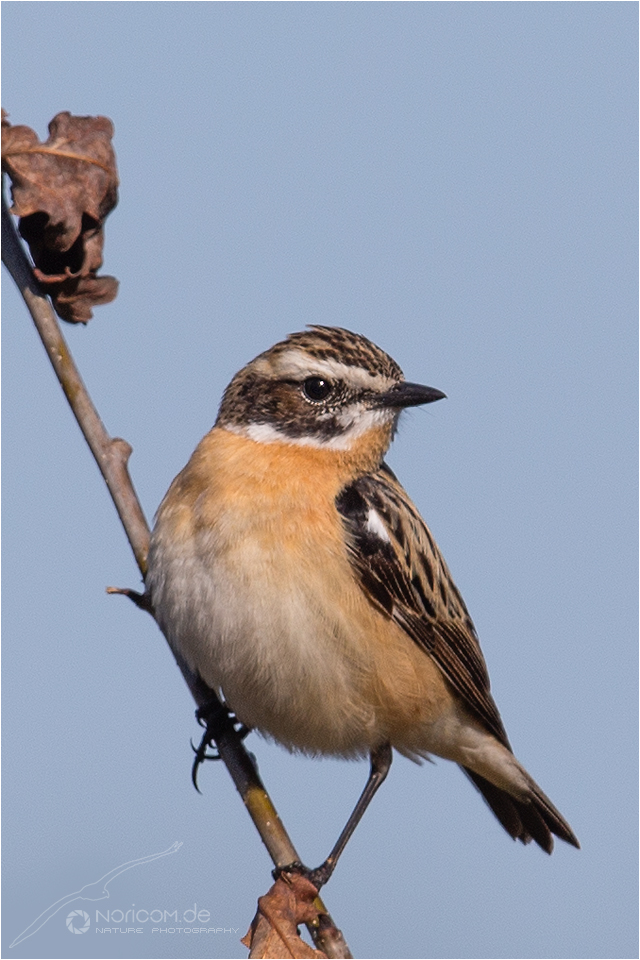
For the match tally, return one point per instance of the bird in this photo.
(292, 573)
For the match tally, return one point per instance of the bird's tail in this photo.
(531, 817)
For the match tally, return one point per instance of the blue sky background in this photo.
(457, 181)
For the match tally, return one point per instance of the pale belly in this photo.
(266, 629)
(297, 650)
(252, 585)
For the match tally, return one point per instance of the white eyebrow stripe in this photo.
(376, 526)
(299, 364)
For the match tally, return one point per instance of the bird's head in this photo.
(324, 387)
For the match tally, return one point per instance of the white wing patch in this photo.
(376, 526)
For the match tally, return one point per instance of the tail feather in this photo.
(531, 818)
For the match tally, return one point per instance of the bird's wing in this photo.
(401, 570)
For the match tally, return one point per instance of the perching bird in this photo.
(291, 571)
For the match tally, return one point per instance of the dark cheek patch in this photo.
(256, 400)
(282, 405)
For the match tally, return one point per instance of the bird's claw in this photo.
(216, 720)
(317, 877)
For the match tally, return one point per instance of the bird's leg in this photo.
(381, 759)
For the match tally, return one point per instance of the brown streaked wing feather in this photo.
(408, 579)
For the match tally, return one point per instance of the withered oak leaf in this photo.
(274, 930)
(62, 191)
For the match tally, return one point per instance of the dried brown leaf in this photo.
(62, 190)
(274, 930)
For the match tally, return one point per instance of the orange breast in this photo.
(299, 650)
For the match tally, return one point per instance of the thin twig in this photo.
(112, 455)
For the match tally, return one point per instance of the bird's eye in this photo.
(317, 388)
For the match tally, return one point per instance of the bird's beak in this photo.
(405, 394)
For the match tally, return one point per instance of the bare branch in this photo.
(112, 455)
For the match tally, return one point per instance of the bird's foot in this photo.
(216, 720)
(317, 877)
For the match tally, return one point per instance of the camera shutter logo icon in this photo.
(78, 921)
